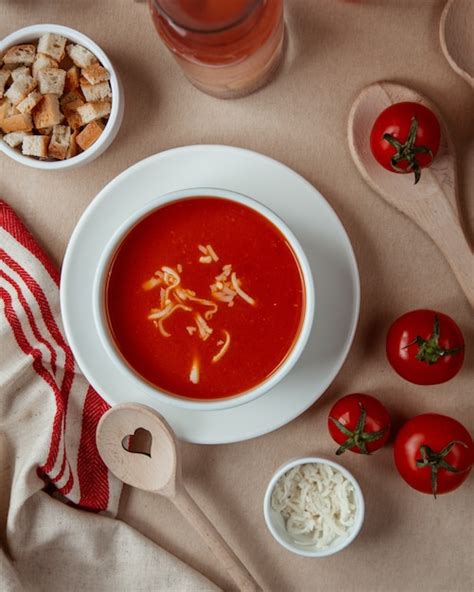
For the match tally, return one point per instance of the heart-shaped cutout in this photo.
(138, 443)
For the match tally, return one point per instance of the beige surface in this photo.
(408, 541)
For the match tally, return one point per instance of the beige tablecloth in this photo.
(408, 541)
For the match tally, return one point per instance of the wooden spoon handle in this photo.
(444, 228)
(193, 513)
(461, 260)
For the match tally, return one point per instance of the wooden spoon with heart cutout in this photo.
(159, 471)
(432, 203)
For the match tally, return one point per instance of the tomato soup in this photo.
(204, 298)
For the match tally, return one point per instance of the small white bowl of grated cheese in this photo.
(313, 507)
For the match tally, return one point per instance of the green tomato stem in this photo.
(357, 438)
(407, 151)
(429, 350)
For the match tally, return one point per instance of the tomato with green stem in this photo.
(405, 138)
(425, 347)
(433, 453)
(359, 423)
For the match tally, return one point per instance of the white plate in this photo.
(309, 216)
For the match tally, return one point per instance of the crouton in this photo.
(46, 131)
(72, 79)
(4, 108)
(90, 134)
(4, 78)
(42, 61)
(7, 109)
(22, 86)
(95, 110)
(17, 123)
(35, 146)
(72, 106)
(20, 54)
(47, 112)
(81, 56)
(18, 72)
(95, 73)
(73, 148)
(59, 144)
(74, 95)
(95, 92)
(74, 120)
(29, 102)
(55, 98)
(52, 45)
(15, 139)
(51, 81)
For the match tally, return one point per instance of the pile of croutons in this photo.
(55, 98)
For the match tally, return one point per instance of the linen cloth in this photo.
(50, 469)
(336, 48)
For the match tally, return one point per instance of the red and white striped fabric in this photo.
(48, 419)
(66, 454)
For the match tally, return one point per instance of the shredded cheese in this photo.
(194, 374)
(225, 346)
(161, 329)
(240, 292)
(157, 313)
(151, 283)
(171, 274)
(208, 254)
(212, 253)
(227, 286)
(317, 504)
(168, 311)
(184, 295)
(204, 330)
(173, 297)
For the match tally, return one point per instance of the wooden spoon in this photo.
(456, 37)
(159, 471)
(432, 203)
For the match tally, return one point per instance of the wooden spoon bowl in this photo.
(432, 203)
(456, 37)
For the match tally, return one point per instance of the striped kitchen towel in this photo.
(48, 419)
(40, 381)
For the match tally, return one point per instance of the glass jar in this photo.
(226, 48)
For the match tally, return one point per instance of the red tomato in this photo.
(359, 423)
(433, 453)
(405, 138)
(425, 347)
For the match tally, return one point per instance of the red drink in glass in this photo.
(226, 48)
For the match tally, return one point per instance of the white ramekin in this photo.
(100, 315)
(275, 522)
(33, 33)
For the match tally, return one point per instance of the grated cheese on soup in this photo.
(317, 504)
(173, 297)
